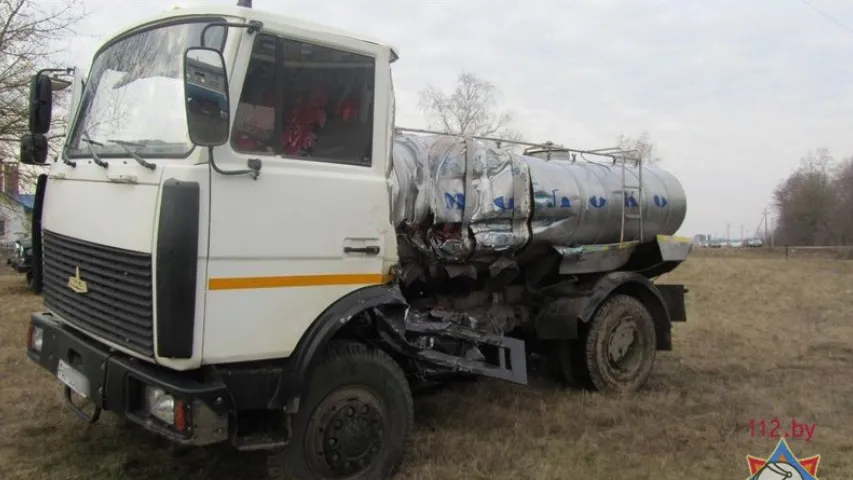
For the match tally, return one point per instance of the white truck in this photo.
(237, 245)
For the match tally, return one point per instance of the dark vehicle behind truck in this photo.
(21, 258)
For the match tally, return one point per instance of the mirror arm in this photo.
(253, 171)
(253, 26)
(67, 71)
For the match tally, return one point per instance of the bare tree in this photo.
(641, 147)
(472, 108)
(30, 39)
(813, 203)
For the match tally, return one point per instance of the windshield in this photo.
(135, 93)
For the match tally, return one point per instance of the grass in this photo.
(765, 338)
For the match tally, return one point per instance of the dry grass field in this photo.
(765, 338)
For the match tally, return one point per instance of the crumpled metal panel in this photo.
(507, 200)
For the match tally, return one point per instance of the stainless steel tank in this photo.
(508, 200)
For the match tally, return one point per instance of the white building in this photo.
(15, 209)
(14, 213)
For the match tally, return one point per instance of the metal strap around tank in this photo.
(467, 184)
(622, 231)
(521, 191)
(640, 200)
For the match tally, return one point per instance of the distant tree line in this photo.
(814, 205)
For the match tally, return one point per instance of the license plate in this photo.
(74, 379)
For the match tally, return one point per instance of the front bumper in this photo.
(117, 383)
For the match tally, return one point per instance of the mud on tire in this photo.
(353, 423)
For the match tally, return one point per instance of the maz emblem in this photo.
(77, 284)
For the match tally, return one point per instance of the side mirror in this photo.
(33, 149)
(206, 93)
(41, 103)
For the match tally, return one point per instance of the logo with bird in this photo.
(782, 464)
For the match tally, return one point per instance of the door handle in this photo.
(369, 250)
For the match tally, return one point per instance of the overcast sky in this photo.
(733, 92)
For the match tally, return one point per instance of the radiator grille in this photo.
(119, 304)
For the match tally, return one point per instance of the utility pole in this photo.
(773, 234)
(741, 232)
(728, 233)
(765, 225)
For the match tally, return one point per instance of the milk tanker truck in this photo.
(237, 245)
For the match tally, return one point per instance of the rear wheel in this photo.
(620, 346)
(354, 422)
(615, 352)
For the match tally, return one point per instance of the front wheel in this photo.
(354, 422)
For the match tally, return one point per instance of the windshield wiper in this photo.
(95, 157)
(124, 144)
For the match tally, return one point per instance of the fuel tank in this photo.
(505, 201)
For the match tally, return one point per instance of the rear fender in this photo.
(561, 319)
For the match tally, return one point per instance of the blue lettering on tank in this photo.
(597, 202)
(660, 201)
(454, 201)
(631, 202)
(505, 203)
(564, 202)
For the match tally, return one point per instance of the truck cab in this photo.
(151, 197)
(165, 250)
(218, 260)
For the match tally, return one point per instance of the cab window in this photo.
(302, 100)
(254, 121)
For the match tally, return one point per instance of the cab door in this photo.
(315, 224)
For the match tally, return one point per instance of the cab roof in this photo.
(248, 14)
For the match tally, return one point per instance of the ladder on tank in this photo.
(627, 190)
(639, 189)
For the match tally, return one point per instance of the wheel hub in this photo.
(347, 434)
(621, 340)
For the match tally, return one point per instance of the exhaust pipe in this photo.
(244, 3)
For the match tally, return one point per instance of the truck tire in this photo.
(619, 346)
(354, 421)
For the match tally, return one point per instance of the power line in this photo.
(826, 15)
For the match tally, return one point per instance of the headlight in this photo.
(160, 405)
(36, 340)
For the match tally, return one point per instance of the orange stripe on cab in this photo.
(246, 283)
